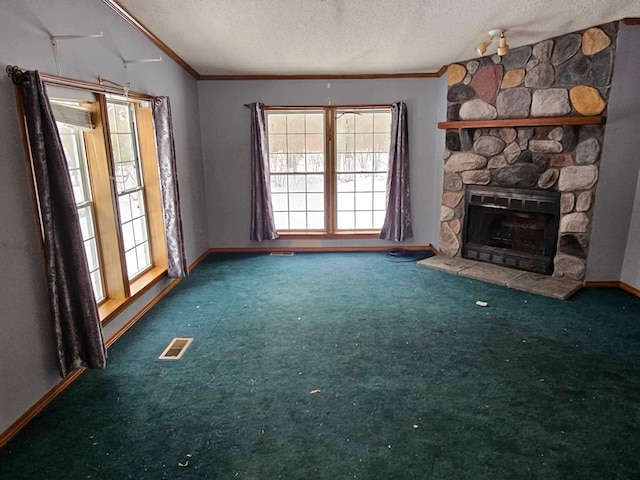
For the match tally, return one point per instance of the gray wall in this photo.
(226, 148)
(631, 267)
(618, 170)
(27, 356)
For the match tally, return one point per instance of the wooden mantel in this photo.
(522, 122)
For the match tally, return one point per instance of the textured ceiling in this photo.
(343, 37)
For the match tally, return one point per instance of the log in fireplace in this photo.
(512, 227)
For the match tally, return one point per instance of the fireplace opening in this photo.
(511, 227)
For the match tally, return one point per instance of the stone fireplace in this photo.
(524, 134)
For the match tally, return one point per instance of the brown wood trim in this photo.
(111, 308)
(50, 79)
(361, 106)
(267, 249)
(197, 261)
(327, 236)
(355, 76)
(522, 122)
(37, 407)
(613, 284)
(631, 20)
(135, 23)
(628, 288)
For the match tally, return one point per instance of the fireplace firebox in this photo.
(511, 227)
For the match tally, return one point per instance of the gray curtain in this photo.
(77, 327)
(262, 224)
(177, 260)
(397, 221)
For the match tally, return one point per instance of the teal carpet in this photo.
(415, 381)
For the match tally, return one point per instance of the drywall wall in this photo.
(225, 124)
(631, 266)
(27, 355)
(619, 165)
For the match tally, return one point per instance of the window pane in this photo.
(378, 219)
(346, 221)
(364, 220)
(122, 118)
(277, 123)
(364, 162)
(315, 162)
(346, 162)
(315, 123)
(144, 257)
(296, 183)
(128, 238)
(346, 183)
(315, 202)
(281, 220)
(280, 202)
(139, 230)
(380, 182)
(297, 202)
(315, 183)
(124, 204)
(382, 122)
(277, 143)
(132, 263)
(92, 255)
(86, 222)
(364, 183)
(96, 282)
(382, 142)
(364, 142)
(298, 221)
(137, 204)
(364, 201)
(381, 162)
(315, 143)
(364, 123)
(295, 123)
(379, 201)
(345, 142)
(345, 123)
(278, 162)
(346, 201)
(77, 185)
(315, 221)
(278, 183)
(295, 162)
(296, 143)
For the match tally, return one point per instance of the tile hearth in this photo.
(559, 288)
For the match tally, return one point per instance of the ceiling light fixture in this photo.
(503, 48)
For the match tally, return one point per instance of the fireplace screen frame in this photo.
(514, 199)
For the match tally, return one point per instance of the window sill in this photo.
(339, 235)
(111, 307)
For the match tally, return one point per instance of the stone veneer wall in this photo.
(564, 76)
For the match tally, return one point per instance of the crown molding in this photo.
(355, 76)
(138, 25)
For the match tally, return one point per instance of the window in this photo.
(129, 187)
(110, 149)
(74, 150)
(328, 168)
